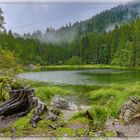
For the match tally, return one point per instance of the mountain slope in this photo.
(104, 21)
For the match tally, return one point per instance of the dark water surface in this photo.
(84, 77)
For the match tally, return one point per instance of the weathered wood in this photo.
(20, 103)
(40, 108)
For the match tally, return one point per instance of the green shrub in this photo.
(99, 113)
(7, 59)
(75, 60)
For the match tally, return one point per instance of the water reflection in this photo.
(84, 77)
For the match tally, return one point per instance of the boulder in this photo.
(59, 102)
(130, 110)
(52, 117)
(30, 67)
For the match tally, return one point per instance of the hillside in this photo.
(101, 22)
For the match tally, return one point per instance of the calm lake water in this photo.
(84, 77)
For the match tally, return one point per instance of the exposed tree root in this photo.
(22, 102)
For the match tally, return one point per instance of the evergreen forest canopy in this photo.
(111, 37)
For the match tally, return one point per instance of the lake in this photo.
(84, 77)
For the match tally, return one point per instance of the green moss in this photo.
(110, 134)
(82, 120)
(7, 133)
(22, 125)
(63, 131)
(81, 132)
(78, 115)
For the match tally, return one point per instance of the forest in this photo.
(118, 46)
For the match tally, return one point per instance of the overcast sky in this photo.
(25, 18)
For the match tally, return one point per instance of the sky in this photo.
(28, 17)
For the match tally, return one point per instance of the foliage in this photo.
(7, 59)
(123, 55)
(75, 60)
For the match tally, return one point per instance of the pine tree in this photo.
(1, 21)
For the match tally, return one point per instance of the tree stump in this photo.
(20, 103)
(22, 100)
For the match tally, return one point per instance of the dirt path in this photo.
(8, 121)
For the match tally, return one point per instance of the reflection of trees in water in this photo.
(84, 77)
